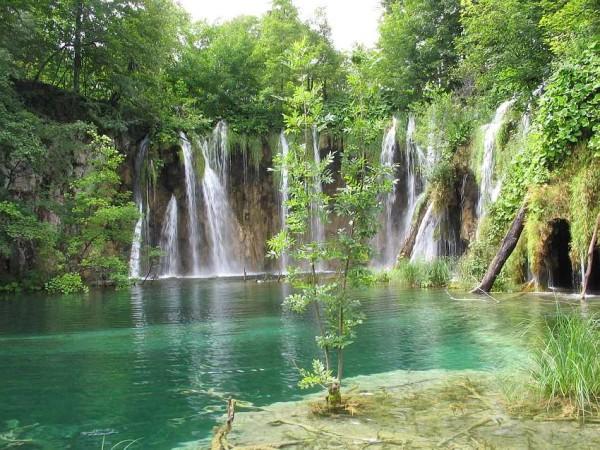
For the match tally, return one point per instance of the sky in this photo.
(351, 21)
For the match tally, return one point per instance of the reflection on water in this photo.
(157, 362)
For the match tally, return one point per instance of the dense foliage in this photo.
(72, 68)
(418, 48)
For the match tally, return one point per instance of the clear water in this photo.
(156, 362)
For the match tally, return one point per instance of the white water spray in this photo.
(387, 238)
(191, 189)
(426, 246)
(169, 241)
(224, 256)
(415, 165)
(488, 190)
(283, 212)
(138, 198)
(316, 223)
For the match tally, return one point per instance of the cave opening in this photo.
(559, 262)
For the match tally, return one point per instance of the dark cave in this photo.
(560, 270)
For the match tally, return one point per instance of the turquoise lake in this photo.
(157, 362)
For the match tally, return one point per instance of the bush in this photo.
(567, 366)
(10, 288)
(422, 274)
(68, 283)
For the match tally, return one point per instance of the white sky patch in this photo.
(351, 21)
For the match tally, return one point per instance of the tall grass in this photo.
(422, 274)
(567, 369)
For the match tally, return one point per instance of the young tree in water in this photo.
(331, 296)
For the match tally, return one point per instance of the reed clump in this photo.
(567, 364)
(422, 274)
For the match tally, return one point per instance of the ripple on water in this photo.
(157, 362)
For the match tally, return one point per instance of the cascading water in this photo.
(414, 161)
(426, 246)
(224, 256)
(138, 197)
(284, 147)
(395, 229)
(387, 238)
(435, 236)
(169, 241)
(488, 190)
(316, 224)
(191, 189)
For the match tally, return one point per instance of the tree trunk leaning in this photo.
(590, 259)
(506, 248)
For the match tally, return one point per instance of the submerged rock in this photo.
(429, 409)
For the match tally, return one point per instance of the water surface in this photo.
(156, 362)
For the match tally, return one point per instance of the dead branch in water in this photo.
(472, 299)
(219, 441)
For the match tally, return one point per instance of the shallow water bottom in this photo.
(412, 410)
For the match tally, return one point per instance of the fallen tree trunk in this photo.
(506, 248)
(590, 259)
(409, 242)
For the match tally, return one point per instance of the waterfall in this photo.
(488, 191)
(426, 245)
(223, 234)
(316, 224)
(191, 189)
(283, 213)
(435, 236)
(414, 162)
(387, 239)
(138, 198)
(169, 241)
(400, 204)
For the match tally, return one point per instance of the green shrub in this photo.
(567, 366)
(10, 288)
(68, 283)
(422, 274)
(438, 272)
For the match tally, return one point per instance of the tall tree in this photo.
(502, 46)
(570, 25)
(417, 48)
